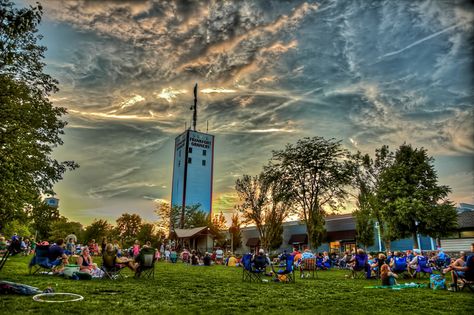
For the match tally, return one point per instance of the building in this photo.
(193, 167)
(463, 237)
(340, 237)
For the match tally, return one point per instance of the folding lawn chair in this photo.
(286, 270)
(464, 283)
(308, 265)
(250, 273)
(361, 269)
(146, 263)
(40, 261)
(110, 268)
(422, 267)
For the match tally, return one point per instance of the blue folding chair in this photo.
(40, 261)
(250, 273)
(286, 269)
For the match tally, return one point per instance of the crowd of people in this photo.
(385, 266)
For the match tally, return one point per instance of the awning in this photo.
(298, 239)
(341, 235)
(252, 242)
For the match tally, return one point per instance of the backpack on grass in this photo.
(437, 282)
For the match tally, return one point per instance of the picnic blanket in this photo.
(7, 287)
(399, 286)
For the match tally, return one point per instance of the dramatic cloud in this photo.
(269, 73)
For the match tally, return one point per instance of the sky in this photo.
(367, 73)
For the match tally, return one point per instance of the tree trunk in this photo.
(438, 242)
(415, 241)
(388, 245)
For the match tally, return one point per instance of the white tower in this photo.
(193, 167)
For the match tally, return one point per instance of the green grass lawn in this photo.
(178, 288)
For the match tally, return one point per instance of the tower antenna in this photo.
(195, 107)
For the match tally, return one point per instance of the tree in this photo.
(30, 126)
(128, 226)
(265, 202)
(63, 227)
(97, 230)
(252, 192)
(146, 233)
(18, 227)
(43, 216)
(442, 222)
(412, 198)
(369, 203)
(194, 217)
(219, 221)
(235, 232)
(364, 226)
(318, 172)
(168, 217)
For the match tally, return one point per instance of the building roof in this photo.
(344, 222)
(466, 219)
(186, 233)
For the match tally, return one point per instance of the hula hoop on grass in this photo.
(75, 297)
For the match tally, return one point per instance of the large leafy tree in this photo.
(413, 202)
(369, 203)
(30, 126)
(128, 226)
(97, 230)
(319, 172)
(265, 202)
(63, 227)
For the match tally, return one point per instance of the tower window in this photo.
(204, 152)
(179, 163)
(189, 160)
(179, 153)
(203, 162)
(190, 150)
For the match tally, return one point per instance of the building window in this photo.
(203, 162)
(179, 153)
(179, 163)
(189, 160)
(190, 150)
(204, 152)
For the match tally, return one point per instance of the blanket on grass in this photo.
(399, 286)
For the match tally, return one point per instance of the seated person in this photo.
(146, 250)
(326, 260)
(111, 260)
(207, 259)
(398, 263)
(463, 272)
(185, 256)
(360, 262)
(232, 261)
(387, 276)
(57, 255)
(307, 254)
(85, 261)
(194, 258)
(419, 263)
(458, 262)
(377, 263)
(260, 261)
